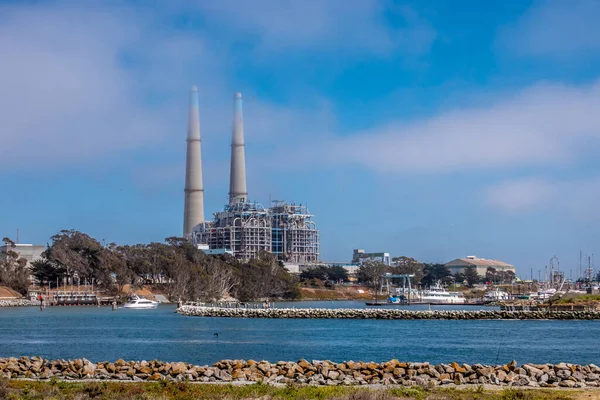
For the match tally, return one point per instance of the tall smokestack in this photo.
(193, 212)
(237, 178)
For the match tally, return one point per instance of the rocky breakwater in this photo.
(379, 313)
(313, 372)
(18, 303)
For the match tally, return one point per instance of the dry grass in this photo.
(29, 390)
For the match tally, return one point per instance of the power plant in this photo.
(244, 228)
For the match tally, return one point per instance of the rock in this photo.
(89, 369)
(563, 373)
(567, 383)
(333, 375)
(155, 377)
(178, 368)
(593, 377)
(510, 366)
(458, 368)
(238, 374)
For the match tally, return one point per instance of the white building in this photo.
(480, 264)
(29, 252)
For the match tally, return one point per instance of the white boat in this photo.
(138, 302)
(544, 294)
(496, 295)
(437, 294)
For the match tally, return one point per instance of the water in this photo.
(101, 334)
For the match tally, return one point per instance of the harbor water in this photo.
(98, 334)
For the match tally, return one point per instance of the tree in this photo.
(46, 272)
(319, 272)
(371, 272)
(491, 275)
(337, 273)
(13, 269)
(323, 273)
(471, 276)
(80, 255)
(408, 265)
(435, 272)
(264, 278)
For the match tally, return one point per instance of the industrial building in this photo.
(29, 252)
(359, 256)
(243, 228)
(480, 264)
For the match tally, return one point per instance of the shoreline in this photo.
(391, 373)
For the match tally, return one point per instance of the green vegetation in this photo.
(176, 266)
(570, 298)
(323, 276)
(370, 272)
(164, 390)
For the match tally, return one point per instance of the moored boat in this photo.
(137, 302)
(496, 295)
(437, 294)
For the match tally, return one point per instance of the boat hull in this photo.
(140, 306)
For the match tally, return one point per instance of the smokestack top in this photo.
(194, 97)
(237, 95)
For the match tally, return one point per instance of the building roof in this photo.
(477, 262)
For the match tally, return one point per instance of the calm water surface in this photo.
(101, 334)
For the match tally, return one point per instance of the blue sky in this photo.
(429, 129)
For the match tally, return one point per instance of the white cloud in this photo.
(82, 84)
(64, 95)
(521, 195)
(295, 24)
(576, 198)
(539, 125)
(555, 28)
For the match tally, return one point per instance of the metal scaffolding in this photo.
(243, 228)
(295, 237)
(285, 230)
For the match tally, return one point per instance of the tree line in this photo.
(425, 275)
(176, 266)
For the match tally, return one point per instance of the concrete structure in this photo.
(480, 264)
(247, 228)
(193, 211)
(359, 256)
(237, 177)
